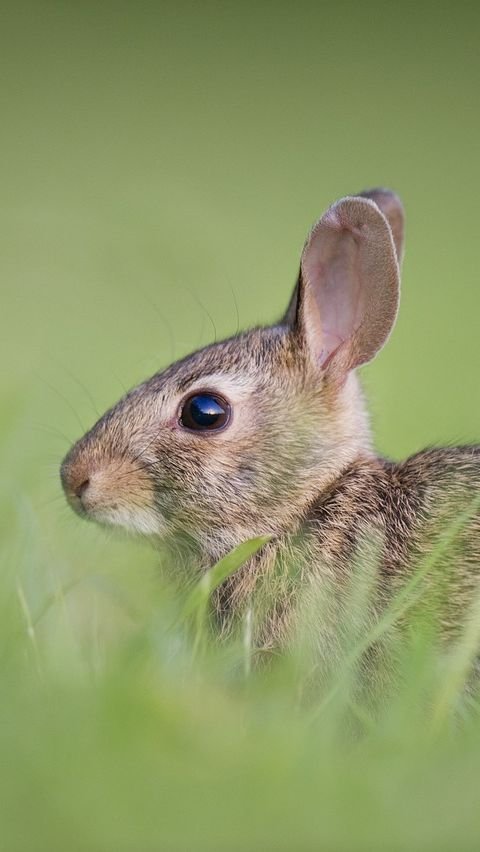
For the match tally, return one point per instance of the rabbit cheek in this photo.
(193, 491)
(132, 503)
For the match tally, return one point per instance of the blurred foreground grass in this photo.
(146, 734)
(161, 164)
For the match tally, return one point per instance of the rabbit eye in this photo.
(205, 411)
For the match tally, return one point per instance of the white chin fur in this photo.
(143, 521)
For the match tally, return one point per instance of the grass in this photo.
(161, 166)
(159, 737)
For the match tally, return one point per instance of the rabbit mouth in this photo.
(141, 521)
(136, 518)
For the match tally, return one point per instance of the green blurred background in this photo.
(161, 165)
(162, 161)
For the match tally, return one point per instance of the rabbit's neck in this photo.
(311, 563)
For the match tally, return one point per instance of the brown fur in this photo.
(296, 461)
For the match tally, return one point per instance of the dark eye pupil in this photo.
(204, 411)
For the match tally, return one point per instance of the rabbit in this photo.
(267, 434)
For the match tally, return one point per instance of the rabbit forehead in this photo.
(235, 386)
(250, 353)
(232, 367)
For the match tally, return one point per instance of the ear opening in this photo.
(346, 299)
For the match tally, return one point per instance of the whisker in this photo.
(120, 382)
(51, 462)
(49, 502)
(62, 397)
(204, 309)
(85, 391)
(202, 328)
(236, 308)
(163, 319)
(78, 381)
(142, 452)
(141, 468)
(51, 430)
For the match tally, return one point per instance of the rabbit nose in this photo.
(79, 490)
(75, 481)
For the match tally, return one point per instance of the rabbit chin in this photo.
(142, 521)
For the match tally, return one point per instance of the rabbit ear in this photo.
(392, 208)
(346, 299)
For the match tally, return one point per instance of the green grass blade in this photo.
(404, 600)
(215, 576)
(461, 660)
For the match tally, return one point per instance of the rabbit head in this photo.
(239, 438)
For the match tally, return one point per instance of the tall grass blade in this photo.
(198, 598)
(461, 661)
(404, 600)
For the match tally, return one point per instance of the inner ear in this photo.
(348, 288)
